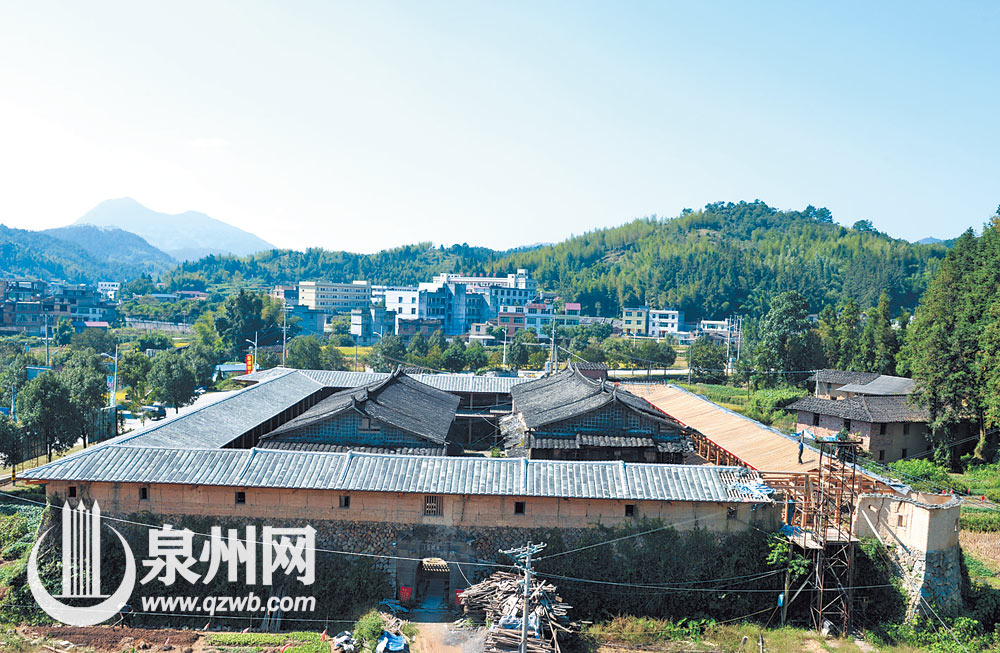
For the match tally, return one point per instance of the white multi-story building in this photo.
(663, 322)
(335, 297)
(109, 288)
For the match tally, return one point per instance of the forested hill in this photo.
(727, 258)
(78, 254)
(730, 258)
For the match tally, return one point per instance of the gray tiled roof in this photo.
(397, 400)
(569, 394)
(864, 409)
(457, 383)
(295, 445)
(883, 385)
(392, 473)
(219, 423)
(843, 376)
(581, 440)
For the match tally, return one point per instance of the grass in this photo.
(701, 635)
(302, 642)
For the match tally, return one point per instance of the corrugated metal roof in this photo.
(391, 473)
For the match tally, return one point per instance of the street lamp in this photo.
(254, 343)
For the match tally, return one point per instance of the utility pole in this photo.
(504, 364)
(284, 332)
(523, 556)
(46, 337)
(113, 400)
(553, 357)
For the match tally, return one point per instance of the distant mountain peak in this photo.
(930, 240)
(187, 235)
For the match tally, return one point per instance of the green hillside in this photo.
(727, 258)
(78, 254)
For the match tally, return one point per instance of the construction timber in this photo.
(819, 510)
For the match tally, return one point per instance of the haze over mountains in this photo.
(184, 236)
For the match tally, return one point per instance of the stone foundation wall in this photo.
(934, 576)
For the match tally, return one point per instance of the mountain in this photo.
(725, 259)
(184, 236)
(116, 247)
(930, 240)
(78, 254)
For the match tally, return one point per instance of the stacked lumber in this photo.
(500, 598)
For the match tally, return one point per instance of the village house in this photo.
(568, 416)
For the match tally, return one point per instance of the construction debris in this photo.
(499, 600)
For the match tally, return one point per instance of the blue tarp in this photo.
(392, 642)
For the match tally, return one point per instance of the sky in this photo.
(368, 125)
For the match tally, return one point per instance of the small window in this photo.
(906, 428)
(630, 510)
(847, 424)
(900, 521)
(881, 454)
(144, 494)
(881, 429)
(903, 454)
(731, 512)
(433, 505)
(241, 498)
(815, 419)
(518, 507)
(71, 491)
(345, 500)
(367, 424)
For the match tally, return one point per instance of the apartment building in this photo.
(635, 321)
(665, 322)
(335, 297)
(369, 325)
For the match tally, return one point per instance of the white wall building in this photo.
(335, 297)
(664, 322)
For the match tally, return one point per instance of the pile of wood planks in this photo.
(500, 600)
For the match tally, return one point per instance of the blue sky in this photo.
(367, 125)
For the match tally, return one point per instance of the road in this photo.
(202, 401)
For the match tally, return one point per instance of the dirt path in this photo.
(440, 638)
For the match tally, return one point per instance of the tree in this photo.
(333, 359)
(133, 373)
(386, 353)
(848, 336)
(865, 226)
(417, 349)
(707, 361)
(437, 340)
(476, 356)
(203, 360)
(827, 331)
(655, 353)
(154, 340)
(13, 373)
(520, 349)
(63, 332)
(172, 379)
(942, 347)
(85, 376)
(878, 349)
(454, 356)
(97, 339)
(786, 340)
(11, 444)
(239, 320)
(46, 412)
(304, 353)
(142, 285)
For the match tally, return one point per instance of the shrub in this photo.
(369, 627)
(922, 474)
(980, 521)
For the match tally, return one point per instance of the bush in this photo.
(922, 474)
(369, 627)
